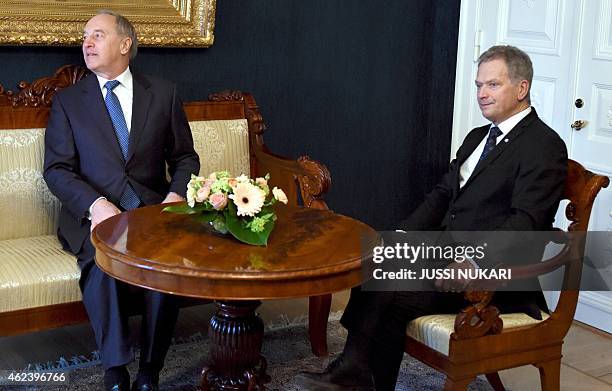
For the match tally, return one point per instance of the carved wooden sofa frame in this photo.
(305, 181)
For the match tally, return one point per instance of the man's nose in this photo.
(482, 92)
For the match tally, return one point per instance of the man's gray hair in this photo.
(124, 28)
(518, 63)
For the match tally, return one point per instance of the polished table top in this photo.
(310, 252)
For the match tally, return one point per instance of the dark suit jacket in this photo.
(83, 160)
(516, 188)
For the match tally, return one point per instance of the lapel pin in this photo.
(505, 140)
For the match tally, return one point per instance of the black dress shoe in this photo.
(117, 379)
(340, 375)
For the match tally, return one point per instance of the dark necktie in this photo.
(129, 199)
(494, 133)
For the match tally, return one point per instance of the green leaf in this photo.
(184, 209)
(237, 227)
(206, 218)
(204, 207)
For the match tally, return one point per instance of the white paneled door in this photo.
(570, 44)
(591, 144)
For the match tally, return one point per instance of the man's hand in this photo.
(102, 210)
(455, 284)
(172, 197)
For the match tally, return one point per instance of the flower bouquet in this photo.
(240, 206)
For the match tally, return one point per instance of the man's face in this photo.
(498, 97)
(106, 52)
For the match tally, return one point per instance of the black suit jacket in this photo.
(83, 160)
(517, 187)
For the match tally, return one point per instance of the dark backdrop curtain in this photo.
(365, 87)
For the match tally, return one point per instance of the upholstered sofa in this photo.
(38, 280)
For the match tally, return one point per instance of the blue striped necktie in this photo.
(129, 199)
(494, 133)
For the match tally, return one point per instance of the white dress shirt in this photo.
(467, 168)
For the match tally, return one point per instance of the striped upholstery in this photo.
(222, 146)
(25, 199)
(435, 330)
(34, 270)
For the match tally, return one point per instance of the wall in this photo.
(365, 87)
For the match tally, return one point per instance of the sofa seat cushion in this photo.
(36, 272)
(435, 330)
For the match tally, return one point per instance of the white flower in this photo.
(248, 199)
(242, 178)
(191, 194)
(280, 195)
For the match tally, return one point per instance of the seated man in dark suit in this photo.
(107, 144)
(507, 176)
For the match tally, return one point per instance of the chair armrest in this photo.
(480, 318)
(304, 179)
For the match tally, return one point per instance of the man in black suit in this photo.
(507, 176)
(107, 144)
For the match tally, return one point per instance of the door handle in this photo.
(578, 124)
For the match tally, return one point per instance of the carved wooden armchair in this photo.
(479, 340)
(38, 281)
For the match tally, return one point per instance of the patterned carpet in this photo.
(287, 350)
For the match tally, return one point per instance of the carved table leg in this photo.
(235, 362)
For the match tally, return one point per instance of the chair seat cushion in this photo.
(435, 330)
(36, 272)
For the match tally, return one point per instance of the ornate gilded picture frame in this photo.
(169, 23)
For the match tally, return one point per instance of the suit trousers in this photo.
(109, 302)
(379, 320)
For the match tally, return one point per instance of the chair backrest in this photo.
(581, 189)
(27, 207)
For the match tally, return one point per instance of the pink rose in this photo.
(218, 200)
(232, 182)
(202, 193)
(261, 182)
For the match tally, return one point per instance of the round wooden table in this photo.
(310, 252)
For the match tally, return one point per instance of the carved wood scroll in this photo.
(41, 91)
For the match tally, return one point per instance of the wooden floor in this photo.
(586, 363)
(587, 353)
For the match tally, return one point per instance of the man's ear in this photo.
(523, 89)
(126, 44)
